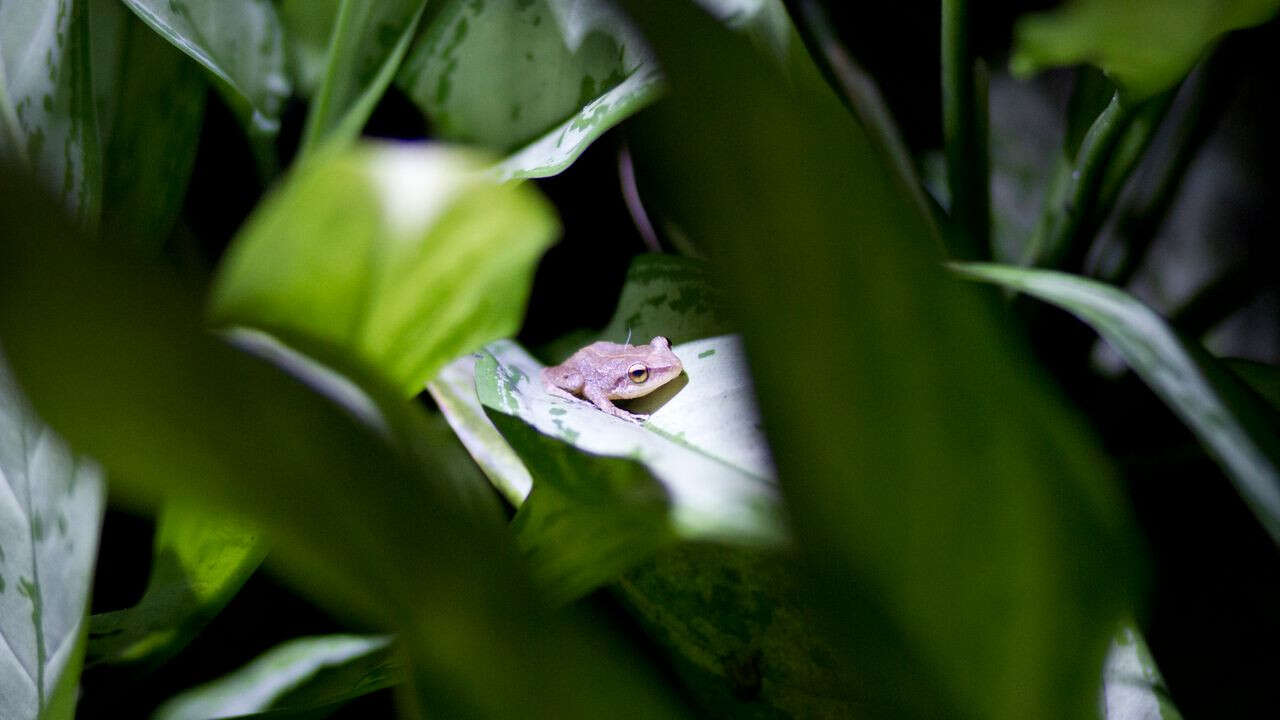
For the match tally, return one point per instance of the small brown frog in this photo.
(605, 371)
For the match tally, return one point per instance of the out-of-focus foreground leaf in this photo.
(50, 513)
(548, 75)
(48, 117)
(405, 256)
(962, 524)
(151, 147)
(1238, 429)
(307, 677)
(240, 43)
(199, 561)
(1145, 46)
(367, 43)
(1132, 686)
(123, 368)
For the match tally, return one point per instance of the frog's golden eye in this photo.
(638, 373)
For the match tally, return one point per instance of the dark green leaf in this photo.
(308, 674)
(369, 39)
(153, 139)
(48, 116)
(198, 563)
(956, 513)
(1240, 431)
(1263, 378)
(308, 26)
(239, 43)
(124, 366)
(406, 256)
(50, 512)
(1146, 46)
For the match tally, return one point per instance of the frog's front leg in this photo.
(601, 400)
(562, 383)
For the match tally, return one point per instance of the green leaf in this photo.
(1133, 688)
(1145, 46)
(549, 75)
(956, 514)
(153, 140)
(368, 527)
(1263, 378)
(47, 111)
(369, 39)
(608, 492)
(308, 25)
(1237, 428)
(406, 256)
(308, 674)
(199, 561)
(239, 43)
(50, 513)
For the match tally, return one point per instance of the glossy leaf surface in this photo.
(50, 513)
(1238, 429)
(404, 255)
(1146, 46)
(199, 561)
(308, 674)
(1133, 688)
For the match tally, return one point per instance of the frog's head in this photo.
(651, 367)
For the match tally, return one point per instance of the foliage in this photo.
(877, 489)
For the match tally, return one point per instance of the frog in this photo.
(604, 371)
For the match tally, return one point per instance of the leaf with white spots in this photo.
(48, 117)
(50, 513)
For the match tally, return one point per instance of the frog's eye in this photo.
(638, 373)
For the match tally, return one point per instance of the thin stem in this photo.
(1074, 199)
(635, 206)
(964, 113)
(857, 90)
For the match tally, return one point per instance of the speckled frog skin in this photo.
(603, 371)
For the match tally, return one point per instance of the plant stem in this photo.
(857, 90)
(964, 113)
(1074, 199)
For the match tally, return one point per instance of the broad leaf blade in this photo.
(1237, 428)
(1146, 46)
(406, 256)
(239, 43)
(199, 562)
(957, 515)
(307, 674)
(48, 116)
(308, 26)
(368, 41)
(50, 513)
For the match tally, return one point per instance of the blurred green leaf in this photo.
(1263, 378)
(308, 27)
(48, 115)
(962, 524)
(307, 677)
(50, 515)
(1145, 46)
(240, 43)
(548, 75)
(124, 367)
(1132, 686)
(406, 256)
(199, 562)
(154, 136)
(369, 39)
(1239, 430)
